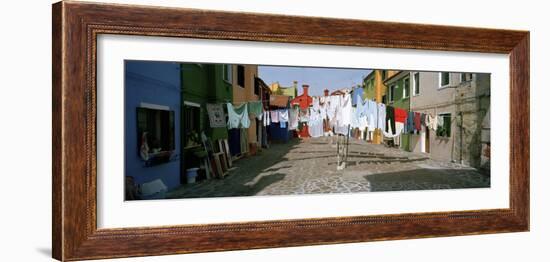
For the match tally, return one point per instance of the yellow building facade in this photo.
(375, 89)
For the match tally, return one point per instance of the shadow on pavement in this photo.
(428, 179)
(249, 176)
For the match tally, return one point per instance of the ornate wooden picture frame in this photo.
(76, 26)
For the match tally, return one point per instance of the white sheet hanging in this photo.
(315, 123)
(343, 115)
(237, 120)
(293, 118)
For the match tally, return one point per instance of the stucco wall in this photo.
(468, 102)
(435, 100)
(154, 83)
(246, 94)
(201, 84)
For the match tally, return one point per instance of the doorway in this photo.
(426, 140)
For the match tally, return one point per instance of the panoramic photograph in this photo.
(200, 130)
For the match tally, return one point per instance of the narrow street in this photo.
(309, 167)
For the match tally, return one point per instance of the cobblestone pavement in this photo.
(310, 167)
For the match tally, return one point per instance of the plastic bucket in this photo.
(192, 175)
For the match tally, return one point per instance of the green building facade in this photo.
(399, 96)
(202, 84)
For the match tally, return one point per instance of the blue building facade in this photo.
(151, 84)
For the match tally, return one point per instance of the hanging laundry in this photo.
(304, 115)
(409, 125)
(293, 118)
(315, 123)
(423, 119)
(357, 96)
(372, 115)
(256, 108)
(238, 116)
(343, 111)
(391, 134)
(334, 103)
(431, 122)
(396, 136)
(274, 114)
(381, 117)
(346, 110)
(399, 127)
(216, 115)
(390, 119)
(343, 115)
(440, 121)
(323, 109)
(267, 118)
(283, 117)
(417, 124)
(315, 103)
(401, 115)
(354, 118)
(360, 114)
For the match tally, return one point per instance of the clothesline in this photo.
(327, 117)
(241, 103)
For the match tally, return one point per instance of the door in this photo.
(427, 140)
(422, 140)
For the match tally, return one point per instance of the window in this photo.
(369, 84)
(464, 77)
(416, 84)
(444, 79)
(406, 88)
(228, 73)
(443, 125)
(158, 126)
(384, 74)
(392, 92)
(191, 125)
(240, 76)
(156, 139)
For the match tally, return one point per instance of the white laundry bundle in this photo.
(293, 118)
(267, 118)
(381, 123)
(333, 104)
(283, 117)
(315, 123)
(343, 115)
(274, 114)
(372, 115)
(359, 119)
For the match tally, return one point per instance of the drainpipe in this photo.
(410, 107)
(460, 119)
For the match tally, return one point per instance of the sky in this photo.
(318, 79)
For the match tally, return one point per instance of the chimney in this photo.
(305, 87)
(295, 84)
(326, 92)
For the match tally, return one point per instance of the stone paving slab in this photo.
(309, 167)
